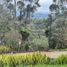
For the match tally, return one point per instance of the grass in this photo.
(44, 66)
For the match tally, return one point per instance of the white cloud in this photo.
(44, 6)
(42, 1)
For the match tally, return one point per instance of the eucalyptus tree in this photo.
(27, 8)
(59, 33)
(21, 10)
(21, 7)
(58, 8)
(54, 8)
(4, 23)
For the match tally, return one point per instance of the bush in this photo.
(40, 44)
(39, 58)
(61, 59)
(24, 33)
(4, 49)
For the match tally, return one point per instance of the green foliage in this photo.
(13, 60)
(39, 58)
(26, 47)
(25, 33)
(4, 49)
(40, 43)
(57, 33)
(58, 25)
(61, 59)
(1, 63)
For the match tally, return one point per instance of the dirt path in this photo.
(55, 54)
(51, 54)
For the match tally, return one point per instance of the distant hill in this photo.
(40, 15)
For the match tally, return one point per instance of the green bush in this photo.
(1, 63)
(40, 43)
(61, 59)
(24, 33)
(4, 49)
(39, 58)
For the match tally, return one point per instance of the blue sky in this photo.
(44, 6)
(44, 9)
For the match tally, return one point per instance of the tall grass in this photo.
(12, 60)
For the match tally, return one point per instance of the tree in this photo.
(26, 8)
(59, 33)
(58, 7)
(26, 11)
(4, 23)
(57, 27)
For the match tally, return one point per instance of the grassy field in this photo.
(44, 66)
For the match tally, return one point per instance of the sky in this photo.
(44, 8)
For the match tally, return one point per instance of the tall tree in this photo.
(58, 8)
(4, 23)
(25, 9)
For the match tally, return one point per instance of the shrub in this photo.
(4, 49)
(39, 58)
(61, 59)
(40, 43)
(24, 33)
(26, 47)
(1, 63)
(12, 61)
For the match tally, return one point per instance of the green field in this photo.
(44, 66)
